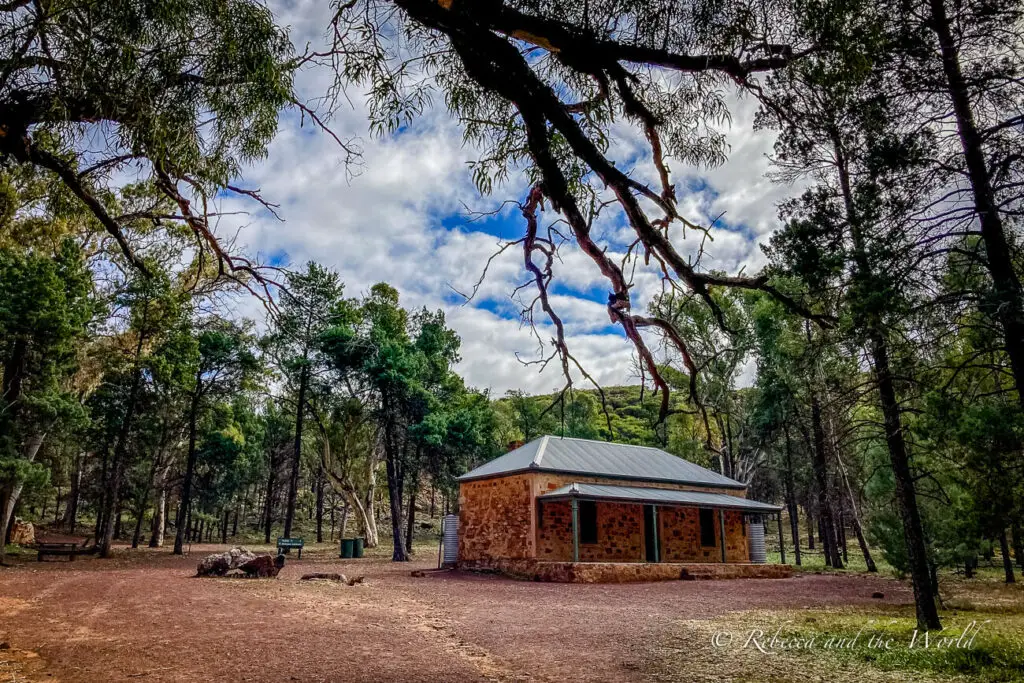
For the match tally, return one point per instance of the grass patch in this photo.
(982, 640)
(980, 645)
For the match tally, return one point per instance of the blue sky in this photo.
(401, 218)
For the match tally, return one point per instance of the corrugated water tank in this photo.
(758, 552)
(450, 533)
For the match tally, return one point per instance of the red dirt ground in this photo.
(142, 616)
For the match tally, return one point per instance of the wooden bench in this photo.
(286, 544)
(69, 549)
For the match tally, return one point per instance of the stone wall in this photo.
(620, 535)
(617, 572)
(496, 518)
(679, 534)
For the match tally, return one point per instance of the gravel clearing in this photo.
(143, 616)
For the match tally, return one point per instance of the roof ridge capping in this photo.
(609, 459)
(603, 441)
(539, 455)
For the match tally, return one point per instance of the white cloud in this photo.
(386, 224)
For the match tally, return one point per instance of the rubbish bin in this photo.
(357, 549)
(347, 547)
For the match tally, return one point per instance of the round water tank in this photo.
(758, 552)
(450, 533)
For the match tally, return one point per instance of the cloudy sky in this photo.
(402, 219)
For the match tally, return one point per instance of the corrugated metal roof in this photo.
(600, 458)
(643, 494)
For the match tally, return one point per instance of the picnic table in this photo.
(69, 549)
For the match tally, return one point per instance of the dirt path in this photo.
(143, 617)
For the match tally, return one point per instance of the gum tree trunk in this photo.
(1008, 308)
(293, 481)
(826, 522)
(1004, 548)
(878, 349)
(794, 515)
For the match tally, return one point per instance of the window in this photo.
(707, 527)
(588, 521)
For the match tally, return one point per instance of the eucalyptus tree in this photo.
(717, 347)
(224, 365)
(311, 305)
(961, 65)
(383, 352)
(162, 424)
(538, 87)
(843, 129)
(184, 92)
(44, 311)
(153, 309)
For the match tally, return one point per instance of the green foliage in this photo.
(158, 70)
(44, 312)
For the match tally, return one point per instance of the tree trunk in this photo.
(156, 540)
(190, 465)
(121, 452)
(320, 505)
(74, 497)
(794, 517)
(344, 522)
(224, 525)
(906, 497)
(11, 494)
(268, 518)
(394, 488)
(410, 527)
(368, 507)
(913, 529)
(842, 537)
(821, 476)
(1004, 548)
(810, 528)
(293, 481)
(825, 549)
(140, 508)
(119, 520)
(1008, 308)
(1018, 544)
(140, 512)
(56, 508)
(855, 517)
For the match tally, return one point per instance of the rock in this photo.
(220, 564)
(5, 646)
(324, 577)
(878, 595)
(263, 567)
(22, 532)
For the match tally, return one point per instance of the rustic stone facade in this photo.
(496, 518)
(626, 572)
(679, 534)
(501, 518)
(620, 533)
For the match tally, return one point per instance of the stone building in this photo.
(565, 509)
